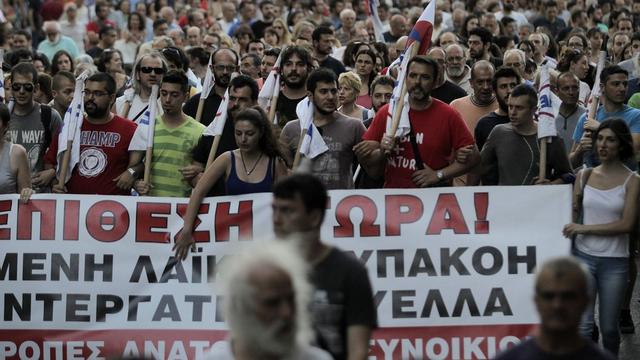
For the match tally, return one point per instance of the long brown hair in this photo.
(268, 143)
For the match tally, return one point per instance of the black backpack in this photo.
(45, 117)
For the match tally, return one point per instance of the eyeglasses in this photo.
(95, 94)
(229, 68)
(28, 87)
(148, 70)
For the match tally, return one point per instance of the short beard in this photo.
(452, 73)
(98, 112)
(294, 84)
(324, 112)
(502, 104)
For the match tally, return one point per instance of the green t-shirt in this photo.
(171, 152)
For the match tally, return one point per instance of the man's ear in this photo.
(317, 217)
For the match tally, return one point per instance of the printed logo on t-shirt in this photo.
(33, 155)
(92, 163)
(398, 158)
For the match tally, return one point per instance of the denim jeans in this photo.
(608, 280)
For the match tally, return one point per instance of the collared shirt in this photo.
(465, 82)
(565, 126)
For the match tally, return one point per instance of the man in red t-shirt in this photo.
(439, 133)
(105, 167)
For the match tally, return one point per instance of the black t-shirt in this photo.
(286, 109)
(211, 104)
(333, 64)
(448, 92)
(390, 38)
(529, 350)
(200, 153)
(95, 52)
(486, 124)
(342, 298)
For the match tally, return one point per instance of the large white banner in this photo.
(93, 276)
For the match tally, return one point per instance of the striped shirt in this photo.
(171, 152)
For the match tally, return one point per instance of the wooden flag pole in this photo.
(296, 159)
(543, 159)
(272, 107)
(403, 92)
(66, 157)
(200, 108)
(147, 165)
(214, 149)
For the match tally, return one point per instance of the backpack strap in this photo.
(45, 117)
(577, 206)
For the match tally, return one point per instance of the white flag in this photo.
(312, 143)
(271, 87)
(596, 91)
(71, 125)
(546, 115)
(209, 81)
(2, 92)
(193, 80)
(143, 137)
(378, 28)
(217, 125)
(404, 125)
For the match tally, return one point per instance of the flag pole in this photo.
(200, 108)
(214, 149)
(149, 152)
(403, 92)
(272, 107)
(296, 159)
(65, 161)
(543, 159)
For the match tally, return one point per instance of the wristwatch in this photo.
(440, 175)
(132, 172)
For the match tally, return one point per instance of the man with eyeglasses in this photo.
(147, 72)
(106, 166)
(561, 297)
(457, 71)
(224, 62)
(32, 125)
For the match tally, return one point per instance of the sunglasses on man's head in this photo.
(28, 87)
(148, 70)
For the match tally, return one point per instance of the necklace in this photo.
(245, 166)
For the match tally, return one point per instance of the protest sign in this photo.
(93, 276)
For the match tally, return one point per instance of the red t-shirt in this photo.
(439, 131)
(95, 27)
(104, 154)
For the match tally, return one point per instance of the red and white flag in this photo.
(423, 29)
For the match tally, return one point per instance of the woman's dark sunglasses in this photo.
(148, 70)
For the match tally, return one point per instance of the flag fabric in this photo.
(143, 137)
(71, 125)
(546, 113)
(209, 81)
(404, 126)
(312, 143)
(193, 80)
(2, 92)
(217, 125)
(271, 86)
(596, 91)
(423, 29)
(375, 19)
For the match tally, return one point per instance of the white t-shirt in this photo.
(137, 107)
(222, 351)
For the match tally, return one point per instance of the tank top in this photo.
(235, 186)
(603, 207)
(7, 177)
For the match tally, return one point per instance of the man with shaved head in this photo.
(398, 27)
(457, 71)
(561, 297)
(194, 36)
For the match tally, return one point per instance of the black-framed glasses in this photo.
(95, 94)
(148, 70)
(28, 87)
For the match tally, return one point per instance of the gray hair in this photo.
(520, 53)
(239, 294)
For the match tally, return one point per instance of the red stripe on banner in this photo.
(438, 342)
(544, 87)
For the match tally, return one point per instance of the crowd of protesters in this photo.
(472, 104)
